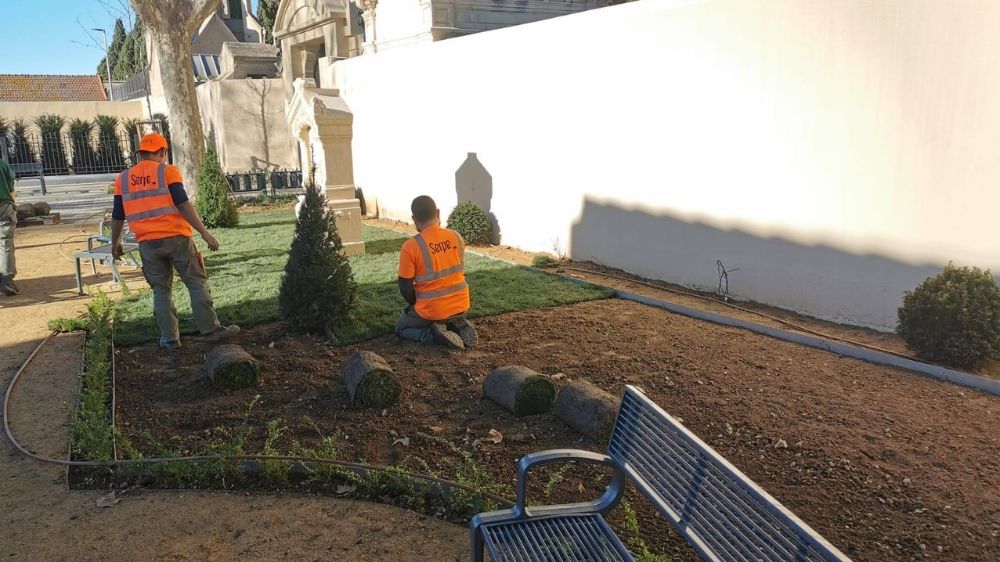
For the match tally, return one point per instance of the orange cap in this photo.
(152, 142)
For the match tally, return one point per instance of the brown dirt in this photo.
(41, 520)
(886, 464)
(624, 281)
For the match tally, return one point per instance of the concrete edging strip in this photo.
(942, 373)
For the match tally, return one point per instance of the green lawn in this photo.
(246, 273)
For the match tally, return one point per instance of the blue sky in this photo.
(38, 36)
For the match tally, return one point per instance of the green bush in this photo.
(543, 260)
(84, 157)
(216, 208)
(317, 289)
(53, 151)
(109, 150)
(24, 153)
(953, 317)
(472, 223)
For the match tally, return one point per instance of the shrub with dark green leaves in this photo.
(109, 149)
(472, 223)
(212, 201)
(53, 151)
(23, 151)
(84, 157)
(318, 289)
(953, 317)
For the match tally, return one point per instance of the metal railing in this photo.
(261, 181)
(134, 87)
(64, 154)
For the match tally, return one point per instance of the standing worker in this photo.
(8, 222)
(432, 280)
(151, 197)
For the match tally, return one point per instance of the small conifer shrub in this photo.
(212, 201)
(472, 223)
(317, 289)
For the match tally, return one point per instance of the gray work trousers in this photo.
(411, 326)
(8, 222)
(160, 258)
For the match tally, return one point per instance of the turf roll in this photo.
(41, 209)
(24, 211)
(587, 409)
(370, 381)
(230, 367)
(520, 390)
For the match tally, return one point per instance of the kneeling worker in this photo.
(151, 197)
(432, 280)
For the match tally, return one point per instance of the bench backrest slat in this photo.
(724, 514)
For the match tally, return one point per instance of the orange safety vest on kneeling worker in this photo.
(149, 208)
(435, 260)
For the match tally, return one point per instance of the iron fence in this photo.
(261, 181)
(136, 86)
(63, 154)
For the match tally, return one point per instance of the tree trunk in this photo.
(172, 24)
(263, 122)
(187, 139)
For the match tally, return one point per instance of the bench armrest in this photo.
(603, 504)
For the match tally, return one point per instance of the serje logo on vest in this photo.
(149, 206)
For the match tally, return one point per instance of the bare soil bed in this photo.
(887, 465)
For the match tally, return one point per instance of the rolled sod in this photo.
(370, 380)
(587, 409)
(231, 367)
(520, 390)
(41, 209)
(24, 211)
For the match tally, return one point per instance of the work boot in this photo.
(222, 333)
(172, 345)
(444, 337)
(8, 287)
(466, 331)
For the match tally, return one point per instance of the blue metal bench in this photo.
(714, 506)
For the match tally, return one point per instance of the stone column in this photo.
(331, 142)
(371, 35)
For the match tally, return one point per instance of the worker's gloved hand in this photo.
(117, 252)
(213, 244)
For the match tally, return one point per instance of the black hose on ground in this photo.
(359, 467)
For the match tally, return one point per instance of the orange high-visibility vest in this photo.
(440, 281)
(149, 208)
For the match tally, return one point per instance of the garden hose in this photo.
(362, 468)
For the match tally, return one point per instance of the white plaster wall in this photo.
(835, 152)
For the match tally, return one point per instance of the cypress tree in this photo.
(267, 12)
(126, 63)
(114, 52)
(213, 203)
(318, 289)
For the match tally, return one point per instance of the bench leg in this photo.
(79, 279)
(477, 544)
(93, 265)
